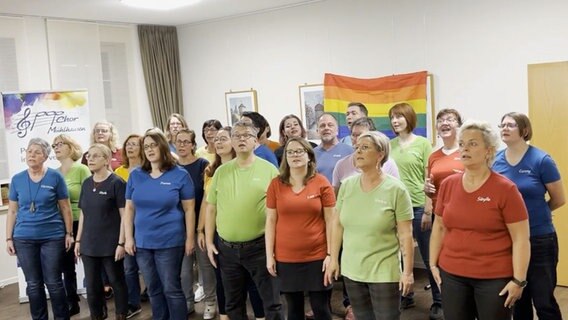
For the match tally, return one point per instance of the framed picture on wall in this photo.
(238, 102)
(311, 107)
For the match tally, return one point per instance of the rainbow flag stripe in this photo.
(379, 95)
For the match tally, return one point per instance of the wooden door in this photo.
(548, 111)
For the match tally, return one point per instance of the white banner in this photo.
(43, 115)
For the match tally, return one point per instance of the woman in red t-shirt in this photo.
(479, 249)
(299, 207)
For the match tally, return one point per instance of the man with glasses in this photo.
(236, 210)
(330, 149)
(345, 167)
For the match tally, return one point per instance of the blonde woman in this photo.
(105, 133)
(68, 151)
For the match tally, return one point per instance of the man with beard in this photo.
(330, 149)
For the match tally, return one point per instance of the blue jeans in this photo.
(423, 239)
(541, 277)
(238, 259)
(374, 301)
(161, 270)
(132, 280)
(42, 263)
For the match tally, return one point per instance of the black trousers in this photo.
(95, 288)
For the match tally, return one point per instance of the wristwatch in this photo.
(520, 283)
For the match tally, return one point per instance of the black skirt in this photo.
(302, 276)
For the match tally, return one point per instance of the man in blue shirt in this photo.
(330, 149)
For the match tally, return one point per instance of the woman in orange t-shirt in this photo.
(479, 249)
(299, 207)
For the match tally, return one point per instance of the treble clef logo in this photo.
(24, 124)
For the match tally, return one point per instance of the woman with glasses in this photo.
(299, 208)
(100, 239)
(68, 151)
(442, 163)
(411, 152)
(374, 224)
(536, 175)
(105, 133)
(131, 159)
(160, 200)
(290, 127)
(176, 122)
(208, 133)
(479, 249)
(39, 229)
(185, 144)
(224, 154)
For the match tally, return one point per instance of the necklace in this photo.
(33, 207)
(97, 184)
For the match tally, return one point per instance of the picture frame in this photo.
(311, 107)
(238, 102)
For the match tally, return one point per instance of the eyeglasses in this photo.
(244, 136)
(101, 130)
(210, 130)
(183, 142)
(94, 156)
(363, 148)
(297, 152)
(57, 145)
(221, 139)
(509, 125)
(132, 144)
(448, 120)
(152, 145)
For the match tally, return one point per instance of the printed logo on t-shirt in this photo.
(457, 159)
(104, 193)
(483, 199)
(457, 171)
(165, 183)
(43, 186)
(312, 196)
(381, 201)
(525, 171)
(337, 155)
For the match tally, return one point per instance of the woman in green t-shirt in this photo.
(373, 237)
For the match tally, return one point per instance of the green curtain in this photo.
(160, 61)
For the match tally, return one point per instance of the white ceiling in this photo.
(115, 11)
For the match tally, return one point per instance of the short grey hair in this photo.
(381, 142)
(44, 145)
(246, 125)
(490, 136)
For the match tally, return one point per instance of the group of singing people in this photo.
(263, 220)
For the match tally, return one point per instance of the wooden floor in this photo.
(10, 309)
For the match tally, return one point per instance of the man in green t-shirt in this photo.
(236, 210)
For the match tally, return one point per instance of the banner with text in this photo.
(43, 115)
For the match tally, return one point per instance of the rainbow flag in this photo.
(378, 95)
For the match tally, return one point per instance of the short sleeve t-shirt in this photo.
(412, 161)
(300, 228)
(327, 159)
(531, 175)
(122, 172)
(74, 179)
(477, 243)
(195, 171)
(441, 166)
(159, 220)
(265, 153)
(101, 216)
(239, 195)
(202, 152)
(369, 220)
(46, 222)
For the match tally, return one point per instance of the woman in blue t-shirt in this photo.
(535, 174)
(160, 201)
(39, 229)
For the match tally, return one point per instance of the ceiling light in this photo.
(163, 5)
